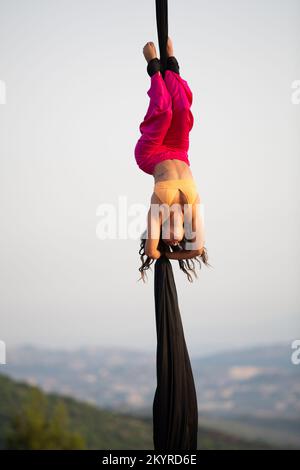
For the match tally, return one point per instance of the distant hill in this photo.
(103, 429)
(254, 392)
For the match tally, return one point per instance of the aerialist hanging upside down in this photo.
(175, 226)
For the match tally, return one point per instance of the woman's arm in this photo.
(194, 227)
(184, 254)
(194, 236)
(153, 230)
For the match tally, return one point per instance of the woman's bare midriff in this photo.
(171, 170)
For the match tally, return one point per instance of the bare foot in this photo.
(149, 51)
(170, 50)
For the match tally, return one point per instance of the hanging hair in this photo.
(188, 266)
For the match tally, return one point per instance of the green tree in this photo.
(35, 426)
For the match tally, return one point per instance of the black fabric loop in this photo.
(172, 64)
(153, 66)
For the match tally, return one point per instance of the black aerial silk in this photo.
(175, 410)
(162, 30)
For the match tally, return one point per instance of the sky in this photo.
(76, 91)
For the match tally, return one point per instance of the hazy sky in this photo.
(76, 86)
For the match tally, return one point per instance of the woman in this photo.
(174, 224)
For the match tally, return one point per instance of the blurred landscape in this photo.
(31, 419)
(245, 398)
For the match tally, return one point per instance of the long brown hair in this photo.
(187, 265)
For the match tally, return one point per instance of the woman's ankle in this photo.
(172, 64)
(153, 66)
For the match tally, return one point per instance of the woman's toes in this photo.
(149, 51)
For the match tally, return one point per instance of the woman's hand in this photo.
(184, 254)
(155, 254)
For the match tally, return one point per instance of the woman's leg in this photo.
(159, 114)
(156, 121)
(177, 136)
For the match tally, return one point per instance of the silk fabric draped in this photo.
(175, 409)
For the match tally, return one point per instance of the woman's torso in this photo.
(173, 170)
